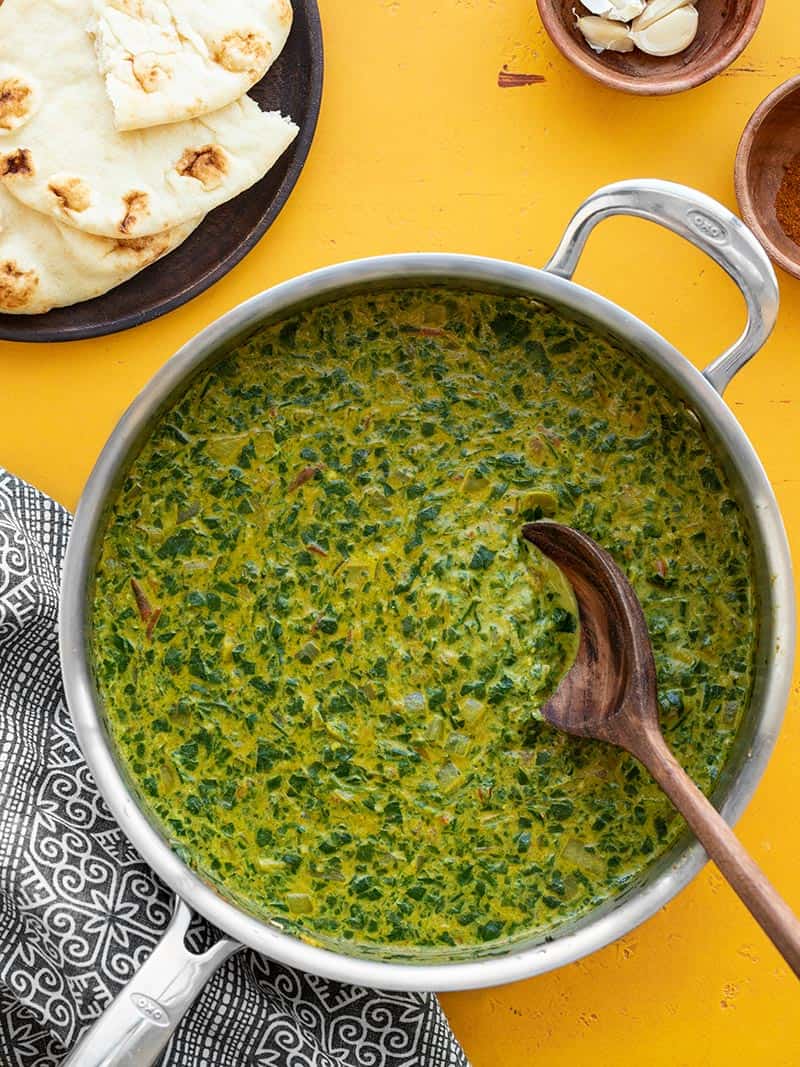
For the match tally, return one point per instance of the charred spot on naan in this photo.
(243, 52)
(136, 204)
(16, 103)
(134, 8)
(71, 192)
(17, 164)
(17, 286)
(149, 71)
(143, 249)
(208, 164)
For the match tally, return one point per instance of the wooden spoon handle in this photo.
(773, 913)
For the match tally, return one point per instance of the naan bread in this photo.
(19, 98)
(64, 157)
(169, 60)
(45, 265)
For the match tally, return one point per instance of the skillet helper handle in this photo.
(709, 226)
(737, 866)
(137, 1026)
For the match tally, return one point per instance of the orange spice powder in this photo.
(787, 202)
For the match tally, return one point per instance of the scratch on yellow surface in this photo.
(418, 148)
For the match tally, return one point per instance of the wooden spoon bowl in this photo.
(770, 140)
(610, 694)
(726, 27)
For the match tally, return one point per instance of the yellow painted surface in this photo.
(418, 148)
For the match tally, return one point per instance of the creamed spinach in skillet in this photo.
(322, 645)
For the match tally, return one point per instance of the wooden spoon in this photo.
(610, 694)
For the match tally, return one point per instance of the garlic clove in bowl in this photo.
(603, 35)
(668, 35)
(616, 10)
(655, 10)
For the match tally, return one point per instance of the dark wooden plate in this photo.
(294, 86)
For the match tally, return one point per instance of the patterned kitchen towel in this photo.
(80, 912)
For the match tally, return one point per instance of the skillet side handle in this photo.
(137, 1026)
(709, 226)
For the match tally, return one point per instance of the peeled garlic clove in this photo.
(605, 36)
(670, 35)
(616, 10)
(655, 10)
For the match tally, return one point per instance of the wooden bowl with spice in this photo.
(628, 44)
(767, 175)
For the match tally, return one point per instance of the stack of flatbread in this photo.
(122, 123)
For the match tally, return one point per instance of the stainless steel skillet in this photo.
(140, 1021)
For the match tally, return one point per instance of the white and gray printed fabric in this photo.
(80, 912)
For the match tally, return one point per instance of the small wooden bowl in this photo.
(770, 140)
(726, 27)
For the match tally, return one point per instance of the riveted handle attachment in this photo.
(137, 1026)
(709, 226)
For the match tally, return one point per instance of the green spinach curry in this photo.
(322, 644)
